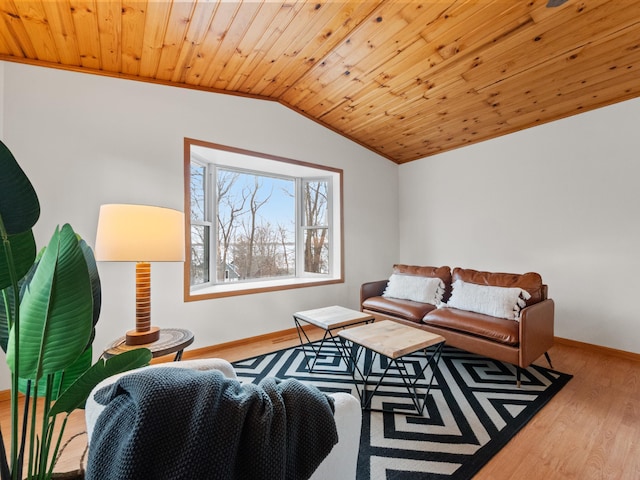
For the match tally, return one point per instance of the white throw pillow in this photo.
(502, 302)
(413, 287)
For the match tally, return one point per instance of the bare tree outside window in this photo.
(316, 226)
(231, 206)
(200, 228)
(256, 226)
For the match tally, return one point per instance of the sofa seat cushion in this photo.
(407, 309)
(492, 328)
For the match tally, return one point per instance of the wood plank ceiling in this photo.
(407, 79)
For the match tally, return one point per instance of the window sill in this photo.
(247, 288)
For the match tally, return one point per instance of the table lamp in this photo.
(141, 234)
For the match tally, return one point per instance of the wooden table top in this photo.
(391, 339)
(332, 317)
(171, 340)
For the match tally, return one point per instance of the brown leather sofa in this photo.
(516, 342)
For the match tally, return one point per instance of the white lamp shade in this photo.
(139, 233)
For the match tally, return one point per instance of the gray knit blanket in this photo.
(175, 423)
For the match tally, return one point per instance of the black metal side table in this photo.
(329, 319)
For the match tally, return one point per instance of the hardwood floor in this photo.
(590, 430)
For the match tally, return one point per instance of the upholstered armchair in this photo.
(341, 462)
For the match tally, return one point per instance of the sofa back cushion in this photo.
(443, 273)
(415, 287)
(502, 302)
(531, 281)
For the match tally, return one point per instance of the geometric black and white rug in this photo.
(474, 408)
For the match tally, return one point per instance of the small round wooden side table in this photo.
(172, 340)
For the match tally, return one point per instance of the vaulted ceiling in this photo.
(406, 79)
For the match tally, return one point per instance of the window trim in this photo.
(258, 286)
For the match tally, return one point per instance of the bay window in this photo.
(259, 222)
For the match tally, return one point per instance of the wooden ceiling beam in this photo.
(384, 37)
(36, 25)
(198, 72)
(85, 24)
(264, 61)
(180, 19)
(466, 112)
(14, 32)
(624, 86)
(542, 42)
(325, 34)
(425, 62)
(251, 47)
(291, 82)
(404, 78)
(215, 76)
(189, 47)
(584, 67)
(110, 17)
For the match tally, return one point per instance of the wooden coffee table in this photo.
(328, 319)
(394, 341)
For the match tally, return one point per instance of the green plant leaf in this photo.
(76, 395)
(4, 329)
(4, 325)
(83, 363)
(74, 371)
(19, 206)
(96, 287)
(56, 310)
(63, 379)
(23, 249)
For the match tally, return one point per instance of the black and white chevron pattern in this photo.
(473, 409)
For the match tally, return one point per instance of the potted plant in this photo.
(49, 306)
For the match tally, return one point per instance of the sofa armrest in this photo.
(372, 289)
(342, 462)
(536, 331)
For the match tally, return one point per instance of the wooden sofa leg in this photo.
(518, 371)
(546, 354)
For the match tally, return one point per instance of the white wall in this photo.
(561, 199)
(86, 140)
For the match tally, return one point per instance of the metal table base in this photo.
(311, 350)
(410, 384)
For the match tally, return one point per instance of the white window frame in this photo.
(215, 156)
(207, 212)
(302, 227)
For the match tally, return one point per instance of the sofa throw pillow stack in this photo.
(416, 288)
(502, 302)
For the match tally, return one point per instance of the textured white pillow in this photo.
(413, 287)
(502, 302)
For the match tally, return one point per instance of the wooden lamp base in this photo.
(140, 338)
(144, 332)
